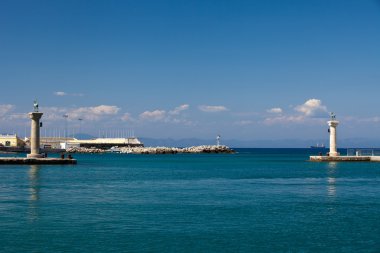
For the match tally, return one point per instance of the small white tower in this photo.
(333, 123)
(218, 140)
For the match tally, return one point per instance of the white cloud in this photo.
(172, 116)
(275, 110)
(5, 109)
(93, 113)
(312, 108)
(153, 115)
(53, 113)
(312, 111)
(284, 119)
(60, 93)
(244, 122)
(126, 117)
(245, 114)
(16, 116)
(179, 109)
(212, 108)
(375, 119)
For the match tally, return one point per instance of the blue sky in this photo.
(243, 69)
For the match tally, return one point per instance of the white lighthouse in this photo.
(333, 123)
(218, 140)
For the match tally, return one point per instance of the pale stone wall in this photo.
(11, 140)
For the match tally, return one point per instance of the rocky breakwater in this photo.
(84, 150)
(169, 150)
(212, 149)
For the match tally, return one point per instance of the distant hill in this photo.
(84, 136)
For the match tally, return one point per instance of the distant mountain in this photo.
(82, 136)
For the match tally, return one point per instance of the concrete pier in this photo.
(28, 161)
(345, 158)
(35, 135)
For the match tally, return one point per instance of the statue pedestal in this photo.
(35, 135)
(35, 156)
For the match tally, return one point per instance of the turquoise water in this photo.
(259, 200)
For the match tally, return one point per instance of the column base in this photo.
(334, 154)
(35, 156)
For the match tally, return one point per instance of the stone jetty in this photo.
(29, 161)
(213, 149)
(345, 158)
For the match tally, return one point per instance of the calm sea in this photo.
(259, 200)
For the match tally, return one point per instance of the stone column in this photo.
(333, 124)
(35, 135)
